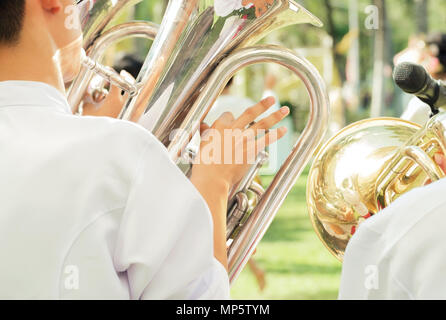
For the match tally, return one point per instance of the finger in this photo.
(203, 128)
(270, 138)
(225, 120)
(127, 76)
(440, 159)
(272, 120)
(252, 113)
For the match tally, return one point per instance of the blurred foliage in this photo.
(401, 25)
(402, 15)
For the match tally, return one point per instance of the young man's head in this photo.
(44, 27)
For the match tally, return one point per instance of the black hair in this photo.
(12, 14)
(130, 63)
(438, 40)
(230, 82)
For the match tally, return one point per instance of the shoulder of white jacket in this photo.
(392, 227)
(113, 140)
(410, 206)
(129, 131)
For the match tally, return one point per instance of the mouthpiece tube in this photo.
(110, 75)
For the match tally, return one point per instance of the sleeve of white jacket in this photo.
(165, 242)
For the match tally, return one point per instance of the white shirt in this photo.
(93, 208)
(279, 151)
(417, 111)
(400, 253)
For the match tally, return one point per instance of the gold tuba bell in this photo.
(196, 50)
(364, 168)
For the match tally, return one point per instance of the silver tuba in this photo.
(198, 47)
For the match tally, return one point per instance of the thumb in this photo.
(127, 76)
(203, 128)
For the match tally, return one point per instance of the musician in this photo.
(92, 207)
(431, 53)
(398, 254)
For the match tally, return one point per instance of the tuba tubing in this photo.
(177, 87)
(135, 29)
(244, 244)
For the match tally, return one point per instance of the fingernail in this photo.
(438, 159)
(285, 110)
(270, 100)
(127, 76)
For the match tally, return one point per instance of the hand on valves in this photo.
(227, 150)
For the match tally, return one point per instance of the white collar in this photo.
(33, 94)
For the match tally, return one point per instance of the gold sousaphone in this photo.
(366, 167)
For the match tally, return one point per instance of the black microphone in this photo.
(414, 79)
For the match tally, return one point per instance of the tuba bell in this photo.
(364, 168)
(196, 50)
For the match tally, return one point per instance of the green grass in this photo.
(296, 264)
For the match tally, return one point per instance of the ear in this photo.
(52, 6)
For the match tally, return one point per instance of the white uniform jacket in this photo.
(93, 208)
(400, 253)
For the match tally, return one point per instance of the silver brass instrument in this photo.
(197, 49)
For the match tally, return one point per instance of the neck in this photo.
(31, 60)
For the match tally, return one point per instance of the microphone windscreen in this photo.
(410, 77)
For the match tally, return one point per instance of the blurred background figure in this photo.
(437, 50)
(280, 151)
(228, 102)
(429, 51)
